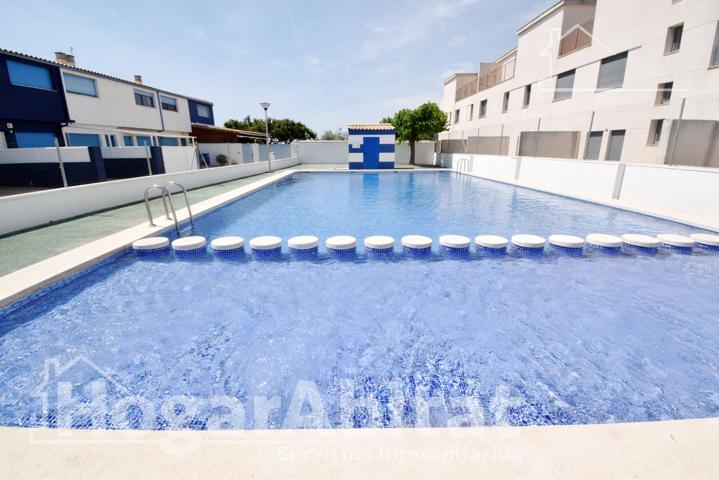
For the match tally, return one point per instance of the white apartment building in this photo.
(598, 80)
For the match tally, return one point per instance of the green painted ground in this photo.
(23, 249)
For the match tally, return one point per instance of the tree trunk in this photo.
(411, 152)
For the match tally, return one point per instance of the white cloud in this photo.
(415, 25)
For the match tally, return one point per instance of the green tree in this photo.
(422, 123)
(334, 135)
(282, 130)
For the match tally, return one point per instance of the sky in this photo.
(325, 63)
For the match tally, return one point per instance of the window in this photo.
(168, 142)
(674, 39)
(449, 118)
(611, 71)
(127, 140)
(715, 50)
(616, 143)
(204, 111)
(34, 139)
(505, 102)
(594, 145)
(565, 85)
(527, 96)
(168, 103)
(142, 141)
(26, 75)
(144, 99)
(483, 109)
(80, 85)
(83, 140)
(655, 132)
(456, 116)
(471, 112)
(110, 141)
(664, 93)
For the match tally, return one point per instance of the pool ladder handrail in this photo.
(167, 198)
(184, 194)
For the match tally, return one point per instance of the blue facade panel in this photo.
(32, 100)
(201, 112)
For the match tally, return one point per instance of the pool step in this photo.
(345, 246)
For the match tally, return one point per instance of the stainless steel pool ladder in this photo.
(167, 198)
(463, 165)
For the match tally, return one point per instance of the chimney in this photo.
(65, 59)
(138, 79)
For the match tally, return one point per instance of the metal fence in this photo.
(24, 168)
(671, 131)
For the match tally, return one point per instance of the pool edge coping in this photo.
(660, 449)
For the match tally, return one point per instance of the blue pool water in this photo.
(210, 343)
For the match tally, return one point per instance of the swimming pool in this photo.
(210, 343)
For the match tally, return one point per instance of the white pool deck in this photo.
(658, 450)
(652, 450)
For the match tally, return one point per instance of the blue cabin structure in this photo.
(371, 146)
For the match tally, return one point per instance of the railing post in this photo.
(147, 158)
(59, 160)
(676, 133)
(589, 134)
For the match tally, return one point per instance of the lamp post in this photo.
(265, 106)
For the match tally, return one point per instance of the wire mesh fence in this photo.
(33, 161)
(679, 131)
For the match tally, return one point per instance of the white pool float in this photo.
(678, 241)
(455, 241)
(706, 239)
(379, 242)
(188, 244)
(534, 242)
(266, 242)
(416, 242)
(639, 240)
(227, 244)
(603, 240)
(341, 243)
(566, 241)
(150, 243)
(492, 242)
(303, 242)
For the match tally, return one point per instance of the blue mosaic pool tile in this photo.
(498, 252)
(416, 252)
(153, 252)
(195, 252)
(636, 249)
(272, 254)
(307, 253)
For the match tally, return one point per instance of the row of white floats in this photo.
(308, 244)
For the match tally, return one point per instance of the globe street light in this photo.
(265, 106)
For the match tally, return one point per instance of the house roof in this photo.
(102, 75)
(213, 128)
(371, 126)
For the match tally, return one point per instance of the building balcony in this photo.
(493, 75)
(576, 38)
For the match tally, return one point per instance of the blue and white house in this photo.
(86, 108)
(32, 104)
(371, 146)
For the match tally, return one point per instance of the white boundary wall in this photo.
(39, 208)
(179, 159)
(684, 194)
(335, 152)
